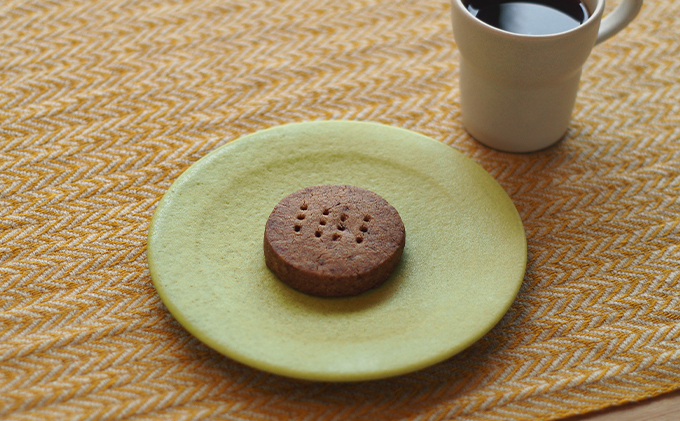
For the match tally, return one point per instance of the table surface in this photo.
(661, 408)
(103, 104)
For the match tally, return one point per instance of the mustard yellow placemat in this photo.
(104, 103)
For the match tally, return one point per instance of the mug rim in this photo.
(597, 13)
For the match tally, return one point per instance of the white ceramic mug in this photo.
(517, 92)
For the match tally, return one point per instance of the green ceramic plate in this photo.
(462, 266)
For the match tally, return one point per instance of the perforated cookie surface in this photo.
(333, 240)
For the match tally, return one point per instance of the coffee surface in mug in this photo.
(530, 17)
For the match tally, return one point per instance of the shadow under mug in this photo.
(517, 92)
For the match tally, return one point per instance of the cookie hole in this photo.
(301, 216)
(363, 228)
(303, 206)
(341, 227)
(367, 218)
(297, 228)
(322, 222)
(326, 211)
(360, 240)
(343, 217)
(336, 236)
(317, 234)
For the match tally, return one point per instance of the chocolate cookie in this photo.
(333, 240)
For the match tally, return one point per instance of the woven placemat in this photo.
(104, 103)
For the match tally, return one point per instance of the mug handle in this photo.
(618, 19)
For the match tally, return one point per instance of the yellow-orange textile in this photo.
(104, 103)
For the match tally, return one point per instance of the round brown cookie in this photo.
(333, 240)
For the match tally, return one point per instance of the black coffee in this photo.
(530, 17)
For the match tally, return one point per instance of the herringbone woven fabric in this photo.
(104, 103)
